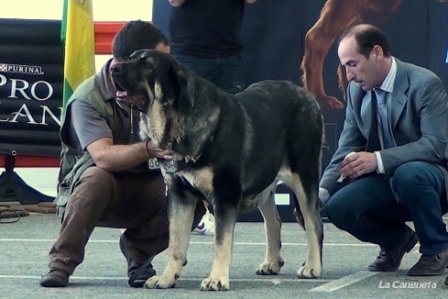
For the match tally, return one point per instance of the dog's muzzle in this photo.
(139, 102)
(123, 96)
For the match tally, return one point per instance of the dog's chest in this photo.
(200, 179)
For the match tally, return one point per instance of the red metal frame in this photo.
(104, 35)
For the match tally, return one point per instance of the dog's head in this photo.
(151, 81)
(148, 75)
(180, 107)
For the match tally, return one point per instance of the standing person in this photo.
(392, 170)
(205, 36)
(108, 176)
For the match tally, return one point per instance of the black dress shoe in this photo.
(390, 259)
(446, 281)
(55, 278)
(430, 265)
(138, 274)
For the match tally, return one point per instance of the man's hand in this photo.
(154, 151)
(358, 164)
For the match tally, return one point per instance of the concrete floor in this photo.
(24, 248)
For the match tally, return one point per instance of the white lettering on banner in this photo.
(33, 90)
(27, 114)
(24, 113)
(15, 88)
(3, 80)
(23, 90)
(45, 110)
(22, 86)
(21, 68)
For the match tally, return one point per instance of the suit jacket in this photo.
(418, 118)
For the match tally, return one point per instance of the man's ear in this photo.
(377, 51)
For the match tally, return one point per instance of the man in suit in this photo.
(390, 167)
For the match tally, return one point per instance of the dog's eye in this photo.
(146, 65)
(149, 67)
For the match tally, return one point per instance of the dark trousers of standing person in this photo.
(224, 72)
(368, 209)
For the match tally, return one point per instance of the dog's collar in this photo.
(131, 106)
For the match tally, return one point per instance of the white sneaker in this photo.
(206, 226)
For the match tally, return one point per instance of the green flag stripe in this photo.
(64, 22)
(68, 91)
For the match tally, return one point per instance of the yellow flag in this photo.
(78, 36)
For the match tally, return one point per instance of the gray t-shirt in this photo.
(92, 127)
(89, 128)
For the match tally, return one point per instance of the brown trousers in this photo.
(101, 198)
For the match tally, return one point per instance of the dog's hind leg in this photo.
(181, 206)
(309, 207)
(272, 224)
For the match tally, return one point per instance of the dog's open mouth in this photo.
(121, 94)
(124, 97)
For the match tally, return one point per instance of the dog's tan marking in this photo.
(158, 93)
(201, 128)
(249, 133)
(181, 220)
(313, 266)
(272, 223)
(219, 276)
(156, 115)
(201, 179)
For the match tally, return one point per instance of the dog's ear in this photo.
(179, 82)
(172, 78)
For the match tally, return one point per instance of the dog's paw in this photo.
(215, 284)
(307, 271)
(160, 282)
(270, 268)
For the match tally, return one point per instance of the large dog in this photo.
(230, 150)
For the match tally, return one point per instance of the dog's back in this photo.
(277, 118)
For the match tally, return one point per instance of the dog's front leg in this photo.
(225, 225)
(181, 214)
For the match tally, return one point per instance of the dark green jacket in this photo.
(98, 92)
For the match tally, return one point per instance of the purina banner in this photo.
(31, 74)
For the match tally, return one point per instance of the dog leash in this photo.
(15, 217)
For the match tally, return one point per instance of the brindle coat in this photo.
(230, 150)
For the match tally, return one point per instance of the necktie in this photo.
(373, 141)
(388, 140)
